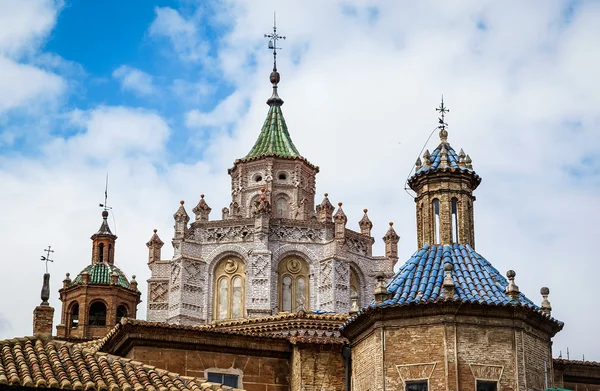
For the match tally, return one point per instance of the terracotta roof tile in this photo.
(31, 362)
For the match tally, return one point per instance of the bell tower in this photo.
(100, 295)
(444, 182)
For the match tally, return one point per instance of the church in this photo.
(277, 294)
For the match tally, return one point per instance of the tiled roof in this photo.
(436, 158)
(563, 361)
(274, 138)
(476, 280)
(100, 274)
(30, 362)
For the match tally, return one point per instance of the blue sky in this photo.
(165, 95)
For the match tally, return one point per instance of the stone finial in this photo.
(391, 239)
(202, 210)
(133, 283)
(67, 281)
(418, 164)
(225, 213)
(181, 215)
(85, 278)
(354, 308)
(381, 293)
(444, 156)
(443, 136)
(461, 158)
(469, 162)
(426, 158)
(546, 307)
(181, 219)
(340, 217)
(448, 283)
(512, 290)
(365, 224)
(114, 277)
(154, 248)
(234, 209)
(45, 294)
(325, 210)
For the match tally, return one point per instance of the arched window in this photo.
(436, 221)
(101, 252)
(282, 208)
(421, 228)
(354, 286)
(97, 316)
(74, 315)
(229, 289)
(293, 284)
(121, 313)
(454, 220)
(110, 249)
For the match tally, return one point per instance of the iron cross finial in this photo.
(273, 38)
(46, 258)
(442, 110)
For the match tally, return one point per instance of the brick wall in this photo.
(577, 375)
(256, 373)
(42, 321)
(366, 362)
(317, 367)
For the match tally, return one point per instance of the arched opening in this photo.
(454, 220)
(436, 221)
(110, 250)
(282, 208)
(354, 286)
(101, 252)
(97, 314)
(293, 284)
(121, 312)
(421, 229)
(74, 315)
(230, 289)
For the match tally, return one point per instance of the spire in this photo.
(202, 210)
(104, 228)
(274, 138)
(340, 217)
(365, 224)
(43, 314)
(325, 210)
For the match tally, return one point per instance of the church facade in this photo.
(272, 250)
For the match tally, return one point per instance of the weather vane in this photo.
(46, 258)
(105, 205)
(442, 110)
(273, 38)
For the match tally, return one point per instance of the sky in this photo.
(165, 95)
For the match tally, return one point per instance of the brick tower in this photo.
(448, 320)
(100, 295)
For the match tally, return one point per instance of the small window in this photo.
(74, 315)
(486, 385)
(436, 221)
(223, 378)
(282, 176)
(101, 252)
(418, 385)
(257, 178)
(454, 220)
(97, 314)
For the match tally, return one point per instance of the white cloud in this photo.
(24, 24)
(181, 32)
(24, 85)
(134, 80)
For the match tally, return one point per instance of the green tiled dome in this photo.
(100, 274)
(274, 138)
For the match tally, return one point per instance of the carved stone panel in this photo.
(419, 371)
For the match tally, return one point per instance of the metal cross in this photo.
(105, 205)
(273, 38)
(442, 110)
(47, 257)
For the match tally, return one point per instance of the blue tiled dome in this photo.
(476, 280)
(436, 158)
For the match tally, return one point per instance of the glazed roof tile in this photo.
(100, 274)
(436, 158)
(420, 281)
(274, 138)
(31, 362)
